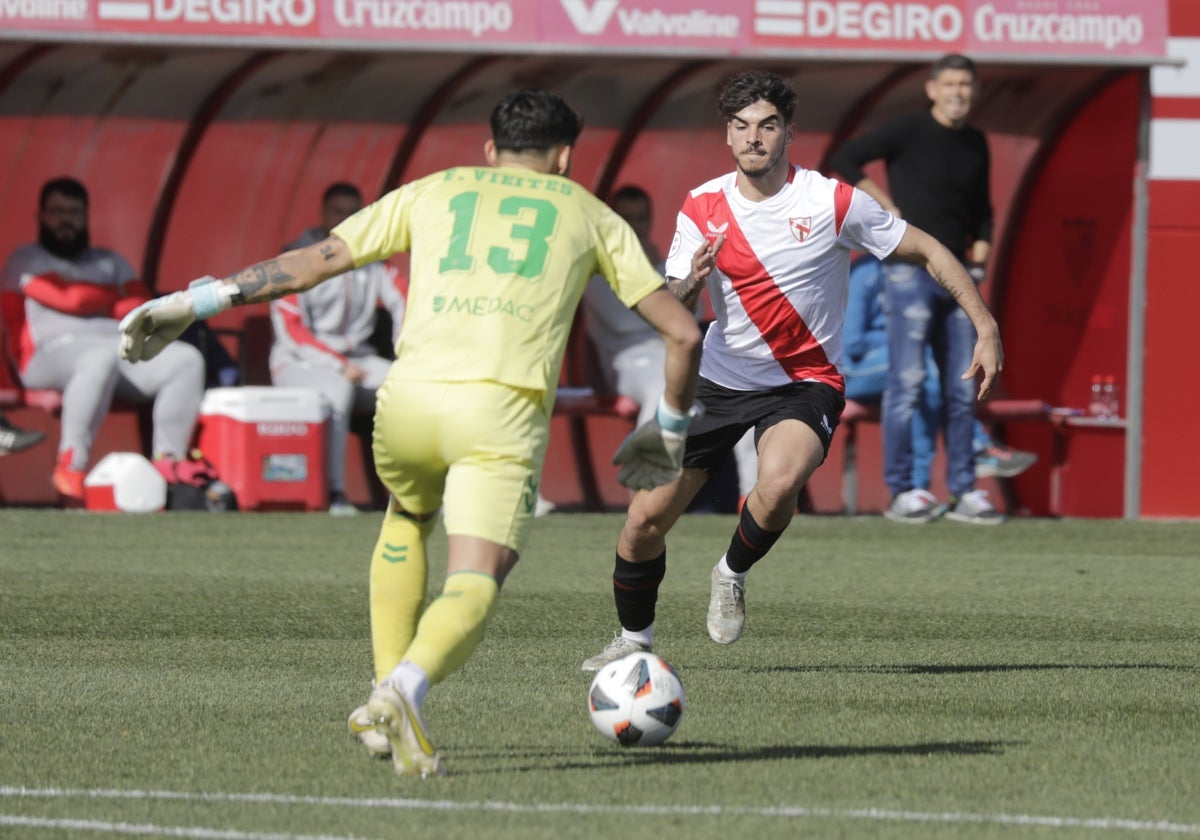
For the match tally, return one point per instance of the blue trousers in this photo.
(866, 379)
(924, 321)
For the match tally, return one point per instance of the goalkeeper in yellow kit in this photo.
(500, 258)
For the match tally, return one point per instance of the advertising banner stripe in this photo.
(124, 10)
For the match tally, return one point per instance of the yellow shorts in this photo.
(473, 448)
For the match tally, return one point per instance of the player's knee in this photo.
(645, 529)
(778, 492)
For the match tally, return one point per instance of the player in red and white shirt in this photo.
(772, 241)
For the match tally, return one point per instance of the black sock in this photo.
(750, 543)
(635, 589)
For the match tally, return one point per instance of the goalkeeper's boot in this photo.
(726, 609)
(363, 728)
(399, 721)
(618, 648)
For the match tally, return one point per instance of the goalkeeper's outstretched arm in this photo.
(156, 323)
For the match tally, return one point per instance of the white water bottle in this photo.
(1112, 398)
(1095, 406)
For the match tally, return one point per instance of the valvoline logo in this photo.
(661, 19)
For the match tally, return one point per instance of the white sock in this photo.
(412, 682)
(642, 637)
(724, 571)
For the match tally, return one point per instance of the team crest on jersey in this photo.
(801, 227)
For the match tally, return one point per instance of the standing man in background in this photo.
(939, 171)
(323, 337)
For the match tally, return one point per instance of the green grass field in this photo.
(190, 675)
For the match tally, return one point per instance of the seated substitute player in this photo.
(500, 258)
(773, 242)
(323, 338)
(62, 298)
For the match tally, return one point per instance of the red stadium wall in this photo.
(1170, 459)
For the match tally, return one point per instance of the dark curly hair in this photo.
(534, 120)
(746, 88)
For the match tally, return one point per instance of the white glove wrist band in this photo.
(671, 419)
(211, 297)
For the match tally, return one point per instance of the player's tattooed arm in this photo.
(291, 272)
(687, 289)
(261, 282)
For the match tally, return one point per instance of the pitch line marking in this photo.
(150, 830)
(873, 814)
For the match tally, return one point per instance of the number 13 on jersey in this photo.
(519, 247)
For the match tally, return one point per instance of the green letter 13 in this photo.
(457, 259)
(536, 234)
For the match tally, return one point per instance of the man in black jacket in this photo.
(938, 170)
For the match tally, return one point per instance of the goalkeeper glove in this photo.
(156, 323)
(652, 455)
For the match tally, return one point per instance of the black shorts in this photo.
(728, 414)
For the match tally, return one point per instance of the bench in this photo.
(582, 394)
(989, 411)
(15, 395)
(578, 403)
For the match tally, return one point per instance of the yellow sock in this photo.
(453, 626)
(398, 576)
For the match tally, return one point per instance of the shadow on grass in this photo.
(965, 669)
(701, 752)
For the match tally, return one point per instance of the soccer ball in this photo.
(636, 700)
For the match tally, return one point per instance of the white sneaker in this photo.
(975, 507)
(363, 728)
(618, 648)
(726, 609)
(915, 507)
(543, 506)
(400, 722)
(339, 505)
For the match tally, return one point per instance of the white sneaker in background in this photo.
(543, 506)
(975, 507)
(915, 507)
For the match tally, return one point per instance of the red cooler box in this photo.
(268, 444)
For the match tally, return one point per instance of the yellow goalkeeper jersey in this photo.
(500, 259)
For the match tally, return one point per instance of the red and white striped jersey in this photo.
(779, 290)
